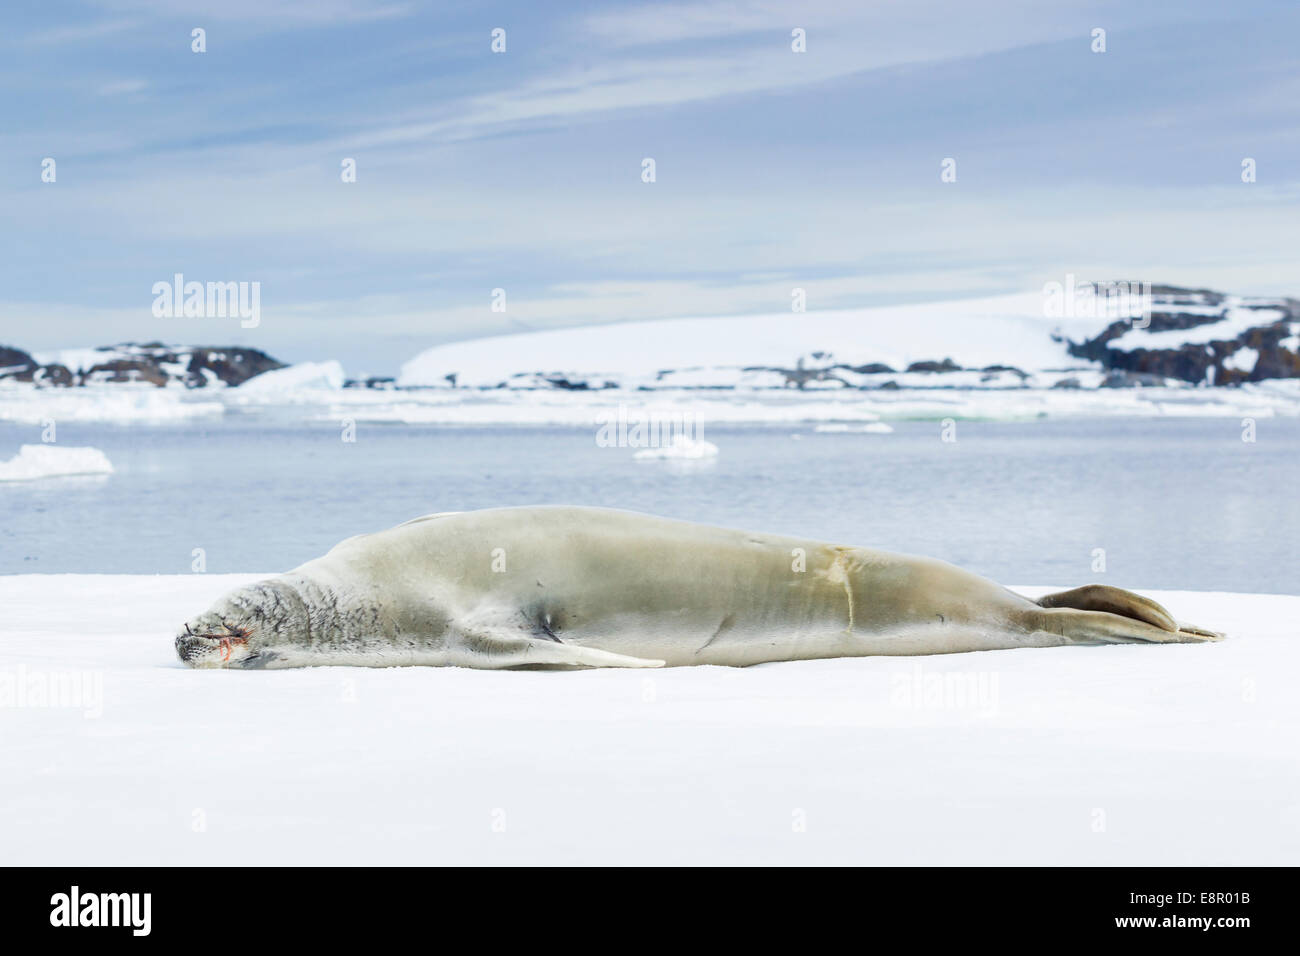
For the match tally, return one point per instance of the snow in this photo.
(1014, 356)
(283, 382)
(741, 351)
(131, 404)
(1004, 330)
(1234, 322)
(78, 360)
(1163, 755)
(124, 404)
(52, 461)
(1243, 360)
(871, 428)
(584, 409)
(682, 447)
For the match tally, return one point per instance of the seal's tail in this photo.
(1099, 613)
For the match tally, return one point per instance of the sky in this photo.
(522, 170)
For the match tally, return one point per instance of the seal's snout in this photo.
(247, 628)
(213, 642)
(193, 650)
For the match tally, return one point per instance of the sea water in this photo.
(1180, 503)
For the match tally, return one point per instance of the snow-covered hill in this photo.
(1007, 341)
(1179, 337)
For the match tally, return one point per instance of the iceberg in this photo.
(52, 461)
(682, 448)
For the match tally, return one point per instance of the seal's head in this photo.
(255, 626)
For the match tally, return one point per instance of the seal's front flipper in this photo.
(1101, 597)
(495, 649)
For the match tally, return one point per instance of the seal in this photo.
(591, 587)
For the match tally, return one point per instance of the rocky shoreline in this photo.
(1189, 337)
(152, 363)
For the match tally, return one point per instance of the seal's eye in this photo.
(236, 634)
(230, 634)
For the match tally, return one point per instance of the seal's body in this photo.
(562, 586)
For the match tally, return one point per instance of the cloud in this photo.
(80, 33)
(521, 170)
(121, 87)
(685, 68)
(264, 11)
(641, 56)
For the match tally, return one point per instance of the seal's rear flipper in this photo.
(1126, 604)
(1199, 633)
(1101, 597)
(496, 649)
(1073, 626)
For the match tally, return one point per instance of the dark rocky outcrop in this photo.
(564, 383)
(1123, 379)
(125, 370)
(386, 383)
(56, 375)
(153, 362)
(15, 362)
(875, 368)
(233, 366)
(947, 365)
(1210, 361)
(18, 366)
